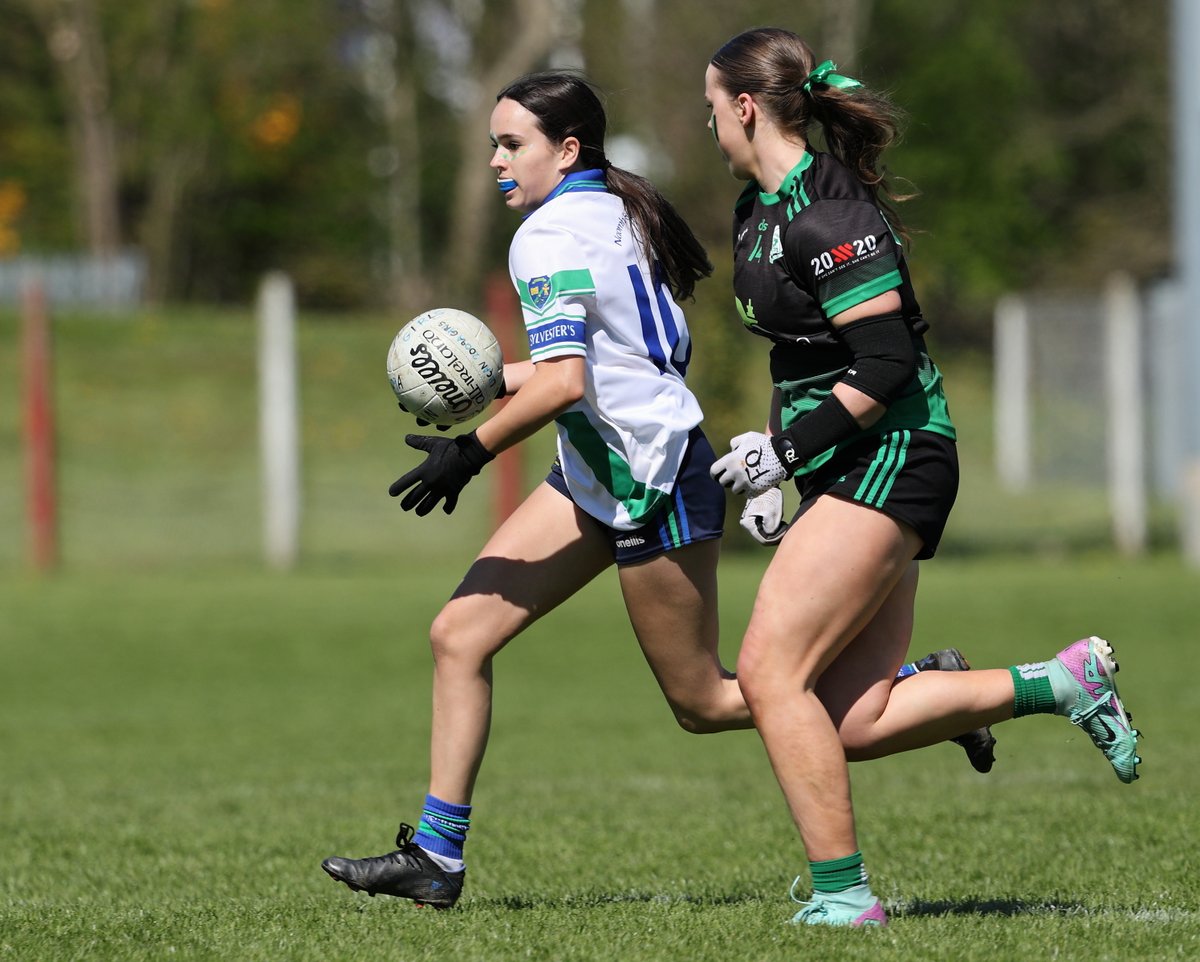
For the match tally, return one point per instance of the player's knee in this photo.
(854, 743)
(860, 740)
(755, 672)
(455, 640)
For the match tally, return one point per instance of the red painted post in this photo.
(41, 507)
(503, 317)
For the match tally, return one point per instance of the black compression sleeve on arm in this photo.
(819, 430)
(884, 359)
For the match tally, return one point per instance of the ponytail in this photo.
(859, 124)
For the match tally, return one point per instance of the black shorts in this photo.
(696, 511)
(911, 476)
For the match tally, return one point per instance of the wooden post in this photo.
(503, 317)
(38, 404)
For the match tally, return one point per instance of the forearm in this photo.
(546, 389)
(883, 363)
(774, 422)
(516, 373)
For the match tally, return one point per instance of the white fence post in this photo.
(1011, 394)
(1125, 419)
(1185, 42)
(279, 420)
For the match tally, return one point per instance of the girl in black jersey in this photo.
(858, 418)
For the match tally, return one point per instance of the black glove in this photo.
(450, 464)
(422, 423)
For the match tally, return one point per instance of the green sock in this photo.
(838, 874)
(1032, 692)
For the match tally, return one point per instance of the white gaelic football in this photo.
(445, 366)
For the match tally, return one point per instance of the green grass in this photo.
(180, 752)
(183, 736)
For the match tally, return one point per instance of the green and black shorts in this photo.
(911, 476)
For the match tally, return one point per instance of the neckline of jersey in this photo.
(790, 180)
(579, 181)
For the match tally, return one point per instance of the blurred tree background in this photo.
(345, 141)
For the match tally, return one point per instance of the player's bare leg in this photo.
(672, 604)
(543, 554)
(539, 557)
(839, 568)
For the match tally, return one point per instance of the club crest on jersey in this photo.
(776, 247)
(539, 291)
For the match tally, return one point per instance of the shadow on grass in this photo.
(916, 908)
(517, 903)
(1004, 907)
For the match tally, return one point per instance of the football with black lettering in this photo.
(445, 366)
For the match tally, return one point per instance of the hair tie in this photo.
(825, 73)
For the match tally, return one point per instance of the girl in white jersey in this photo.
(600, 262)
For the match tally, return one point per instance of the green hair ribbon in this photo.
(825, 73)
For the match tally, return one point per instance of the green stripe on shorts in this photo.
(882, 474)
(673, 527)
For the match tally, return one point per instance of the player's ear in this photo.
(746, 108)
(569, 151)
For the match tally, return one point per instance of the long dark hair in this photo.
(859, 124)
(565, 105)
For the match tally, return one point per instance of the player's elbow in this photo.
(567, 381)
(572, 392)
(884, 357)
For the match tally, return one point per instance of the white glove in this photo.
(763, 517)
(751, 467)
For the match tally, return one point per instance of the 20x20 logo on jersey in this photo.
(837, 256)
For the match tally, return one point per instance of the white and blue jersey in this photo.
(586, 290)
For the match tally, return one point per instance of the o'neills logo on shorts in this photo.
(630, 542)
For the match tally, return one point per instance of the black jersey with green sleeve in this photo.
(817, 247)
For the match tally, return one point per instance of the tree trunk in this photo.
(159, 229)
(391, 80)
(72, 31)
(534, 32)
(845, 25)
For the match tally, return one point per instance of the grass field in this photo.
(183, 736)
(180, 752)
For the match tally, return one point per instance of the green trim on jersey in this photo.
(610, 469)
(562, 283)
(591, 183)
(861, 293)
(791, 188)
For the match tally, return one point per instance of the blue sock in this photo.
(443, 828)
